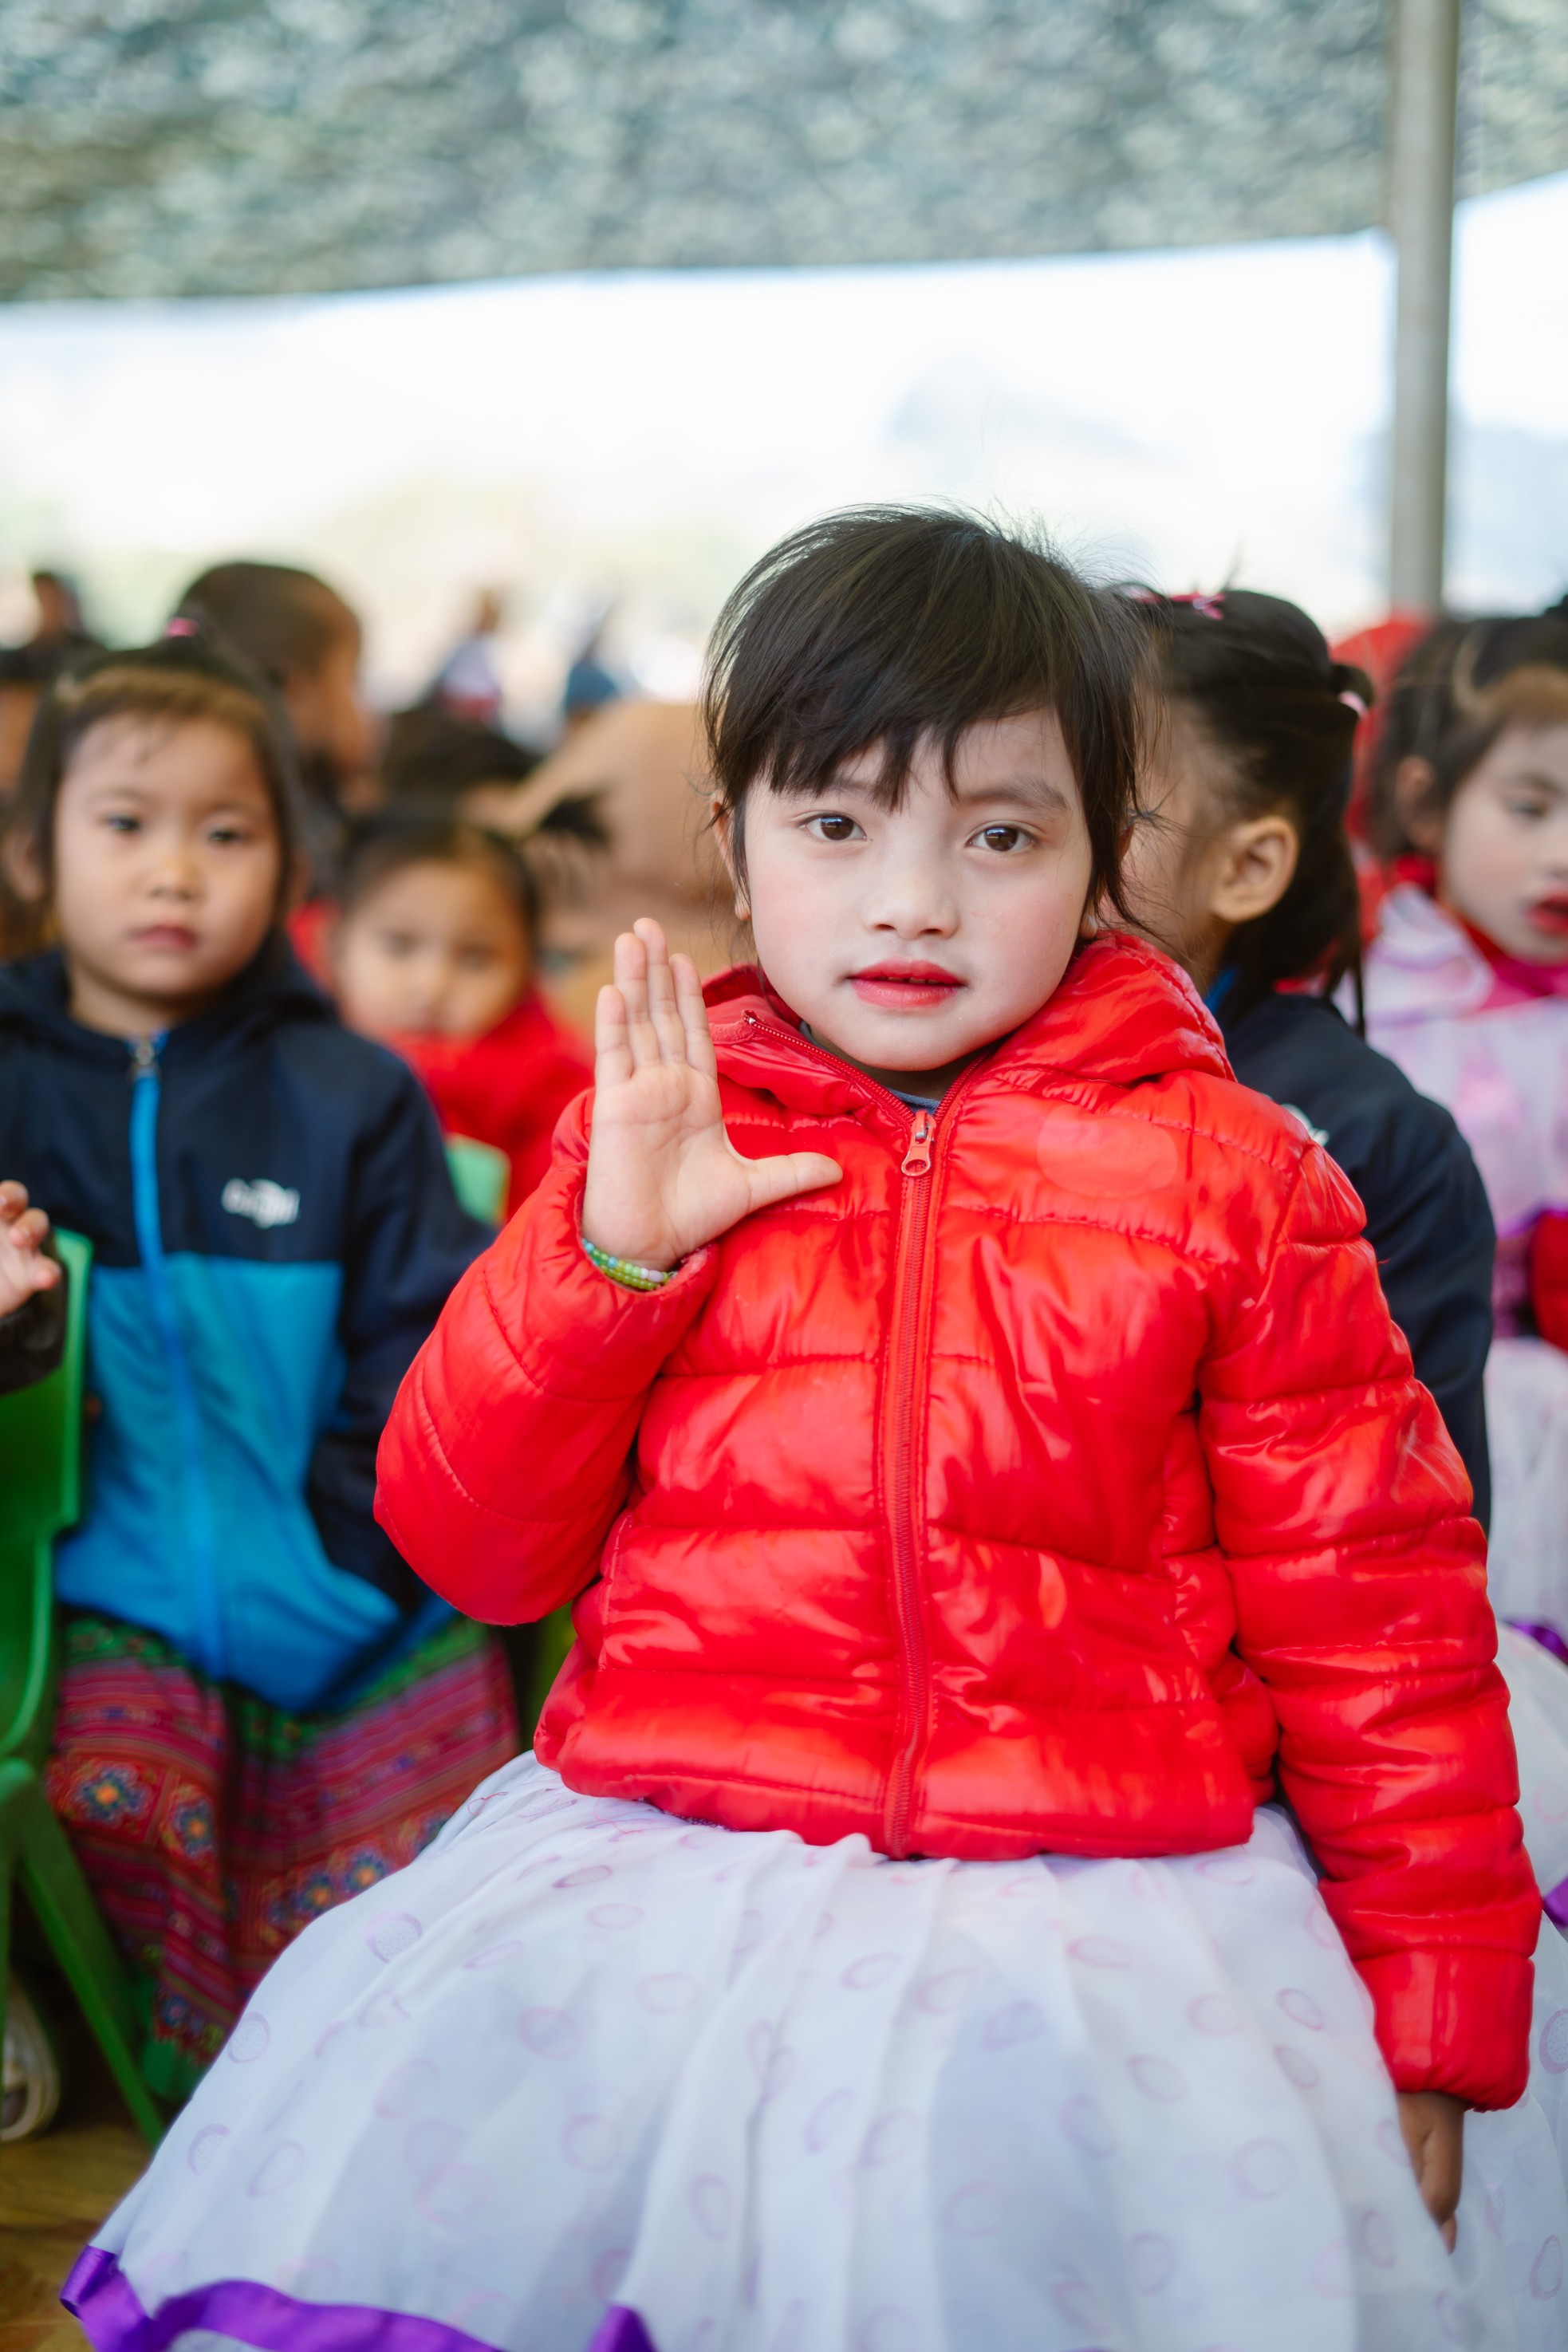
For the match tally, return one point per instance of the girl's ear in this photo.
(724, 834)
(24, 867)
(1415, 802)
(1254, 866)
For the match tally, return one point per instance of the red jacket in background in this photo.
(1050, 1484)
(507, 1088)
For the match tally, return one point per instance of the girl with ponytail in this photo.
(1240, 866)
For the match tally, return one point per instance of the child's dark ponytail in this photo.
(1258, 677)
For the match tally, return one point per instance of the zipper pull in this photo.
(144, 1058)
(917, 1158)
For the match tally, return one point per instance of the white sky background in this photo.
(1186, 416)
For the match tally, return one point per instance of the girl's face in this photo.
(908, 939)
(168, 870)
(436, 950)
(1504, 857)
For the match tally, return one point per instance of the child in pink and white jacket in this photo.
(1467, 989)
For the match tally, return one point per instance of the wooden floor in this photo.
(54, 2192)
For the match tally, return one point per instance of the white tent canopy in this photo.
(242, 147)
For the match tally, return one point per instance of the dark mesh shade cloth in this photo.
(214, 147)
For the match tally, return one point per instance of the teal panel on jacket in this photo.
(196, 1525)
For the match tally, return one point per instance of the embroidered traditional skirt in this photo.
(213, 1827)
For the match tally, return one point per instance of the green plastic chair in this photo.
(480, 1175)
(41, 1486)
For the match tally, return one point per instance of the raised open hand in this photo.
(663, 1176)
(24, 1268)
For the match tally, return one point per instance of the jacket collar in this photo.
(273, 987)
(1123, 1014)
(1422, 962)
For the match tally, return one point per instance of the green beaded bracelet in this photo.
(623, 1270)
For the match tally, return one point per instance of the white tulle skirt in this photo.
(583, 2061)
(1526, 1436)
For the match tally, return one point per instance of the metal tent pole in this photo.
(1421, 215)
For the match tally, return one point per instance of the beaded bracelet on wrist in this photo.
(625, 1270)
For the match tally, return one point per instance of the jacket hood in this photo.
(273, 987)
(1122, 1014)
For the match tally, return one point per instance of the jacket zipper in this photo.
(146, 1093)
(903, 1356)
(901, 1423)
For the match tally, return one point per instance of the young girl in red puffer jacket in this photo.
(972, 1431)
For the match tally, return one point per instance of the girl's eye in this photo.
(226, 834)
(118, 821)
(1003, 838)
(1530, 807)
(834, 828)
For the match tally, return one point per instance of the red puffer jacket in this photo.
(1048, 1485)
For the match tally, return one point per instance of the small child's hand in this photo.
(24, 1268)
(1433, 2128)
(663, 1176)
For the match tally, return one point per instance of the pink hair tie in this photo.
(1211, 607)
(180, 627)
(1356, 702)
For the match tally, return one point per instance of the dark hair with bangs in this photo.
(182, 680)
(894, 625)
(1460, 689)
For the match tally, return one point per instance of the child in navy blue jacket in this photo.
(261, 1710)
(1241, 866)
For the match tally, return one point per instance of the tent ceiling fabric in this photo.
(219, 147)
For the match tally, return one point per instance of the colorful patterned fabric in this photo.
(214, 1827)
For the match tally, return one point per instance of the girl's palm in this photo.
(663, 1176)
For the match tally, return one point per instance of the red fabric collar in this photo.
(1122, 1014)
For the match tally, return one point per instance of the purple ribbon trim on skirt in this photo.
(1539, 1631)
(101, 2297)
(621, 2330)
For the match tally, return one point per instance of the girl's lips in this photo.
(165, 935)
(905, 987)
(1550, 914)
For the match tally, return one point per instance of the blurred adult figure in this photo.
(643, 768)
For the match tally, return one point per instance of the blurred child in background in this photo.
(260, 1712)
(433, 951)
(1241, 866)
(307, 642)
(1467, 989)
